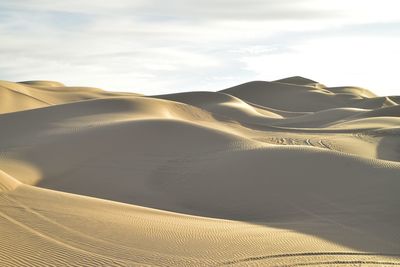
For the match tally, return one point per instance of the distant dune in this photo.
(282, 173)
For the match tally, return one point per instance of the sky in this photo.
(165, 46)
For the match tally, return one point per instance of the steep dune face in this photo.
(289, 172)
(7, 183)
(16, 98)
(37, 94)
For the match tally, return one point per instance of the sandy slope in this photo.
(281, 173)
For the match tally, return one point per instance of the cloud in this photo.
(358, 61)
(178, 9)
(154, 46)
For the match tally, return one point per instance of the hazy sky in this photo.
(160, 46)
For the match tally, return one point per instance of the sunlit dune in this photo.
(283, 173)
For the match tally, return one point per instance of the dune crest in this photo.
(283, 173)
(7, 183)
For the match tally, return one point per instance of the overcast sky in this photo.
(161, 46)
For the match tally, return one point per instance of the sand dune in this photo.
(283, 173)
(37, 94)
(306, 98)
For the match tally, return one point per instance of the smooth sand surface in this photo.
(283, 173)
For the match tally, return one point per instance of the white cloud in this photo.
(155, 46)
(358, 61)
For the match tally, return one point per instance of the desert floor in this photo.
(283, 173)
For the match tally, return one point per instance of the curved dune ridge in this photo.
(283, 173)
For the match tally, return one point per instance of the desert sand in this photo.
(282, 173)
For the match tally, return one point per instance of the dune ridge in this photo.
(283, 173)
